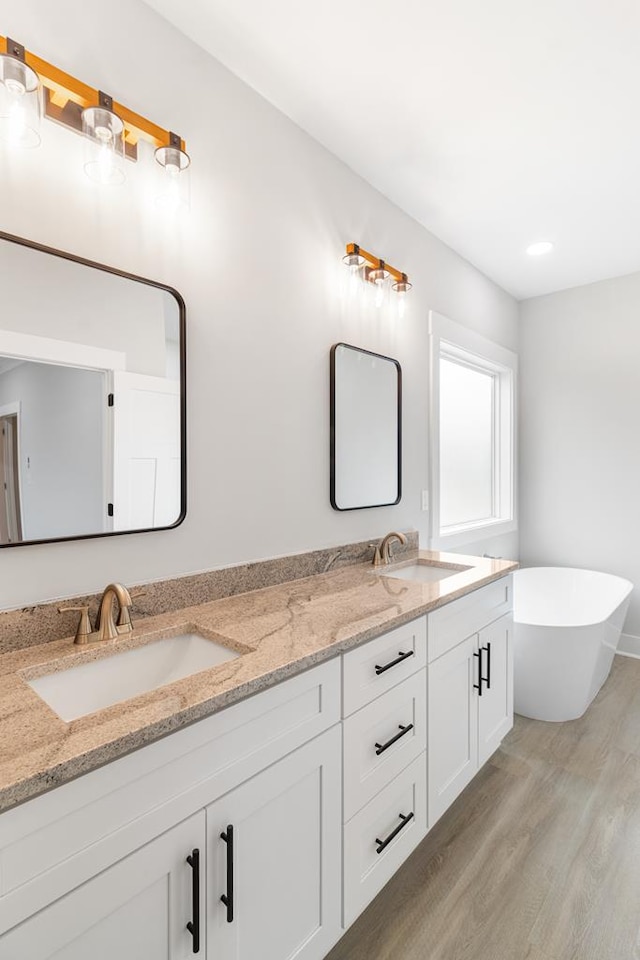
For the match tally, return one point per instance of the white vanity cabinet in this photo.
(470, 696)
(138, 909)
(268, 827)
(384, 760)
(98, 867)
(274, 855)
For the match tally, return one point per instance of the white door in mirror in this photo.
(146, 467)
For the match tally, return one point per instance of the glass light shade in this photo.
(20, 104)
(401, 286)
(175, 187)
(104, 131)
(353, 260)
(377, 274)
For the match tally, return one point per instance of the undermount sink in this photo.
(423, 572)
(92, 686)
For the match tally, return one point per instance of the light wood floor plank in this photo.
(539, 859)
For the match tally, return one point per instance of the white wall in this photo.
(258, 263)
(580, 430)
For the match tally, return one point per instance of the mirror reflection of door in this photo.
(10, 514)
(146, 451)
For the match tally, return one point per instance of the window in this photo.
(472, 435)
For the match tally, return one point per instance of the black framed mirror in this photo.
(92, 399)
(366, 429)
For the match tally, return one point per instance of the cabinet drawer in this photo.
(454, 622)
(57, 841)
(377, 666)
(397, 718)
(365, 869)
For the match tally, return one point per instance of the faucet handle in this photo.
(83, 631)
(124, 624)
(377, 557)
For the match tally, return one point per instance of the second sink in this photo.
(423, 572)
(88, 687)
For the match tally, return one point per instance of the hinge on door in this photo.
(110, 400)
(109, 509)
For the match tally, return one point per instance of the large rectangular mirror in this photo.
(366, 429)
(92, 399)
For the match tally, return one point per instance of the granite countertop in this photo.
(280, 631)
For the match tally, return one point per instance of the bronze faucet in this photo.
(383, 550)
(106, 626)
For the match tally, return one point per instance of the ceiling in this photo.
(494, 123)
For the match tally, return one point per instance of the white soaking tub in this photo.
(567, 624)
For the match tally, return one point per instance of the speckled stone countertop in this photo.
(280, 631)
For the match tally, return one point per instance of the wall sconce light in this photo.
(19, 98)
(174, 162)
(402, 287)
(30, 86)
(377, 272)
(104, 131)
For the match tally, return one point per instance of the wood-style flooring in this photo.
(538, 859)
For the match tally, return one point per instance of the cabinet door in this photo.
(495, 706)
(453, 725)
(138, 909)
(278, 865)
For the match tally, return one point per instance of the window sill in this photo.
(459, 536)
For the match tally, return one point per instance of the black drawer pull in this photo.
(385, 843)
(401, 656)
(227, 898)
(381, 747)
(478, 686)
(487, 679)
(194, 925)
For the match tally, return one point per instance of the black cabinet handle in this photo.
(487, 679)
(401, 656)
(227, 898)
(194, 925)
(385, 843)
(381, 747)
(478, 686)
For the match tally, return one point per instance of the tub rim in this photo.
(576, 622)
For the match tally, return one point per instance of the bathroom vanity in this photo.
(267, 826)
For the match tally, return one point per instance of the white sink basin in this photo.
(92, 686)
(422, 572)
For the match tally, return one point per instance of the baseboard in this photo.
(629, 646)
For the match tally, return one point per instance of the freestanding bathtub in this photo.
(567, 624)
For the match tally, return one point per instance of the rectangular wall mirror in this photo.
(92, 399)
(366, 429)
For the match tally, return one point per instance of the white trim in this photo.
(24, 346)
(10, 409)
(13, 409)
(629, 646)
(458, 342)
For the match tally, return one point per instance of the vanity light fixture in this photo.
(372, 269)
(30, 86)
(174, 161)
(19, 97)
(104, 131)
(402, 288)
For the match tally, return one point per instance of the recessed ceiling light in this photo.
(539, 248)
